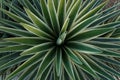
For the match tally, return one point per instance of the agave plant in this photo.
(60, 40)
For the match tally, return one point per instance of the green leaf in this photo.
(38, 22)
(68, 66)
(4, 43)
(37, 5)
(59, 62)
(32, 75)
(80, 74)
(87, 5)
(73, 12)
(82, 25)
(104, 39)
(106, 17)
(105, 45)
(109, 25)
(107, 59)
(118, 19)
(16, 31)
(91, 12)
(47, 60)
(61, 11)
(46, 13)
(37, 48)
(83, 5)
(106, 67)
(77, 74)
(92, 20)
(26, 40)
(56, 3)
(73, 56)
(47, 72)
(90, 34)
(15, 17)
(110, 53)
(61, 38)
(54, 16)
(6, 58)
(13, 62)
(86, 67)
(17, 11)
(65, 26)
(110, 9)
(10, 23)
(28, 71)
(37, 57)
(15, 48)
(84, 48)
(69, 5)
(97, 2)
(98, 69)
(32, 8)
(35, 31)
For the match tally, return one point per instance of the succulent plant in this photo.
(60, 40)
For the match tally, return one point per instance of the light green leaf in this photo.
(65, 26)
(104, 39)
(76, 73)
(110, 53)
(105, 44)
(15, 17)
(47, 72)
(46, 13)
(87, 5)
(82, 25)
(59, 62)
(38, 22)
(37, 57)
(4, 43)
(73, 12)
(56, 3)
(92, 12)
(54, 16)
(108, 25)
(10, 23)
(16, 60)
(73, 56)
(84, 48)
(61, 38)
(69, 5)
(107, 59)
(83, 5)
(26, 40)
(35, 31)
(118, 19)
(28, 71)
(47, 60)
(37, 6)
(15, 48)
(86, 67)
(90, 34)
(32, 75)
(68, 66)
(17, 11)
(32, 8)
(106, 67)
(16, 31)
(103, 18)
(98, 69)
(37, 48)
(61, 11)
(6, 58)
